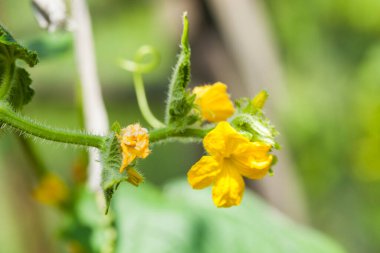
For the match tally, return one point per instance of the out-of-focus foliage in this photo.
(331, 54)
(182, 220)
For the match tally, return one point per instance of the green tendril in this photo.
(137, 67)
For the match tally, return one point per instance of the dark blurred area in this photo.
(319, 61)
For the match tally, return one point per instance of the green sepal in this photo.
(180, 103)
(111, 161)
(251, 121)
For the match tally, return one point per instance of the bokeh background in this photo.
(318, 59)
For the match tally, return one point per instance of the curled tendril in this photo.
(146, 59)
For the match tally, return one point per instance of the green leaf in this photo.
(180, 101)
(183, 220)
(111, 161)
(14, 50)
(21, 93)
(14, 81)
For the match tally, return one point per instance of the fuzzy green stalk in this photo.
(167, 133)
(30, 127)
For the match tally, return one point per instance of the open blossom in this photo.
(134, 142)
(214, 102)
(232, 156)
(51, 190)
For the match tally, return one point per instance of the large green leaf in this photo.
(184, 220)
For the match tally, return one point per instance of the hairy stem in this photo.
(162, 134)
(28, 126)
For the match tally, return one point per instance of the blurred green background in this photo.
(328, 52)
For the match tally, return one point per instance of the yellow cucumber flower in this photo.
(232, 156)
(214, 102)
(134, 142)
(51, 190)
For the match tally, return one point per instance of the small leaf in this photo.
(116, 127)
(14, 81)
(21, 93)
(180, 101)
(14, 50)
(111, 160)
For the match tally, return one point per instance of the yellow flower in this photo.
(134, 142)
(51, 190)
(232, 156)
(214, 102)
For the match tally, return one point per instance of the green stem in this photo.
(6, 80)
(195, 134)
(143, 103)
(28, 126)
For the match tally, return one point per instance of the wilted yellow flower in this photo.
(214, 102)
(231, 156)
(134, 142)
(51, 190)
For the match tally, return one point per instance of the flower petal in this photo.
(223, 140)
(252, 160)
(253, 173)
(228, 188)
(203, 173)
(134, 142)
(214, 102)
